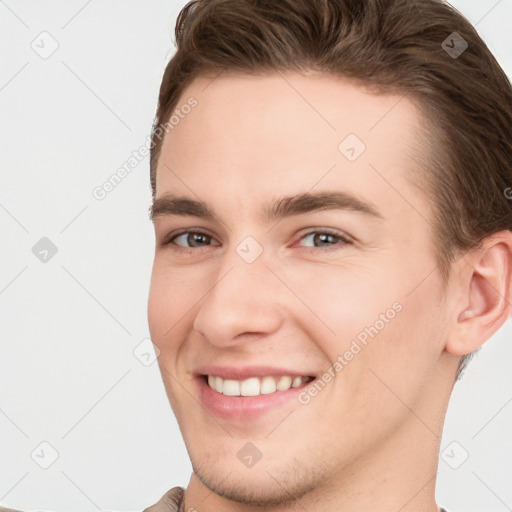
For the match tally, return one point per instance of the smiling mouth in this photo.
(255, 386)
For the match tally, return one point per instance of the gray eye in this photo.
(193, 239)
(322, 238)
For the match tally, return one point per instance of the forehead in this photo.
(251, 137)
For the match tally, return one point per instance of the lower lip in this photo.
(242, 408)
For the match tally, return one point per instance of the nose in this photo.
(244, 299)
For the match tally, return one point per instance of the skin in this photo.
(370, 439)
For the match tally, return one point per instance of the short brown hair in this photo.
(390, 46)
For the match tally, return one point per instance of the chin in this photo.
(255, 489)
(266, 484)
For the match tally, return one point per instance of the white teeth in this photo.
(218, 384)
(250, 387)
(268, 385)
(284, 383)
(231, 387)
(297, 381)
(254, 386)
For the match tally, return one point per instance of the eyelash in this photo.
(345, 239)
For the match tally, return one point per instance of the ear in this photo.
(484, 294)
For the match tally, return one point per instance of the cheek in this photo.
(398, 362)
(342, 301)
(372, 313)
(167, 302)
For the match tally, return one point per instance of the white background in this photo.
(68, 374)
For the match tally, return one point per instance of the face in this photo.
(291, 242)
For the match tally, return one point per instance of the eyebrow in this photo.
(285, 207)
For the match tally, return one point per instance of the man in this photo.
(333, 241)
(331, 183)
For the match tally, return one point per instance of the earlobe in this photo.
(485, 283)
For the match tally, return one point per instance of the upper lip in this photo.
(245, 372)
